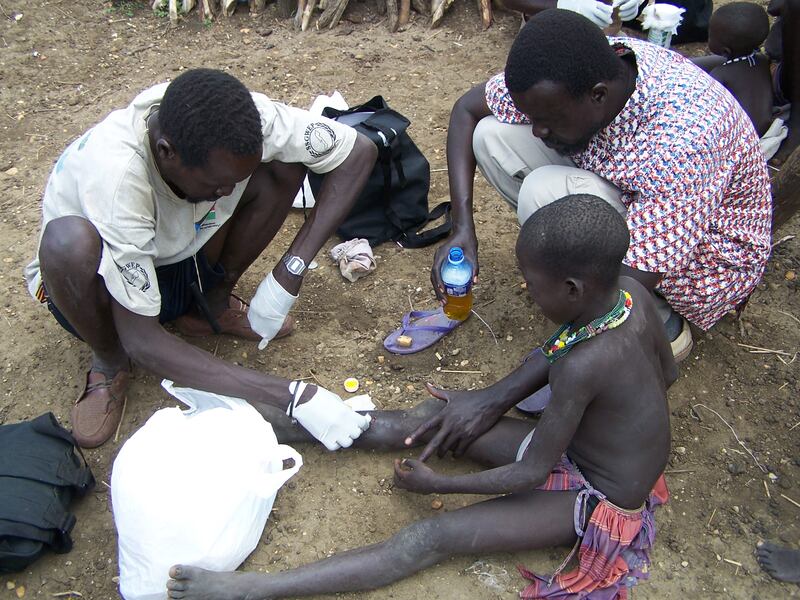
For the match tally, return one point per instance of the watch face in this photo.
(295, 265)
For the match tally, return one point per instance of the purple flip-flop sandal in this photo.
(424, 327)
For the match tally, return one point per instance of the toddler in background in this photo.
(736, 33)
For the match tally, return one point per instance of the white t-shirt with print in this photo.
(109, 177)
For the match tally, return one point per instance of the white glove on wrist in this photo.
(597, 12)
(268, 309)
(628, 9)
(327, 417)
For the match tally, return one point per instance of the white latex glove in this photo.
(268, 309)
(327, 417)
(628, 9)
(597, 12)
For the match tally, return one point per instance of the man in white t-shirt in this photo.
(154, 214)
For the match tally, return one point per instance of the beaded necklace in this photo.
(750, 58)
(563, 340)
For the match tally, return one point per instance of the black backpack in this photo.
(394, 202)
(39, 475)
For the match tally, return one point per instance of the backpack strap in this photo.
(382, 128)
(415, 239)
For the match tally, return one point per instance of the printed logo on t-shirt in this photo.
(320, 139)
(209, 220)
(135, 275)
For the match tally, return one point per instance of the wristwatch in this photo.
(294, 264)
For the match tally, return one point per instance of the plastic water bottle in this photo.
(457, 279)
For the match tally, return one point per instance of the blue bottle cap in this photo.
(456, 255)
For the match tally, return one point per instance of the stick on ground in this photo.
(733, 431)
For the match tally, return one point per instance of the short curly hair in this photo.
(563, 47)
(204, 109)
(579, 235)
(742, 26)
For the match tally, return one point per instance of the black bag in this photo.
(39, 475)
(394, 202)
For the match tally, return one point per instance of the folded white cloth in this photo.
(771, 140)
(355, 258)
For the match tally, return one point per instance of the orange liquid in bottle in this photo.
(458, 307)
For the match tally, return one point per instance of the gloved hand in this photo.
(268, 309)
(628, 9)
(327, 417)
(597, 12)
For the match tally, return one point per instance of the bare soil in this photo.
(65, 65)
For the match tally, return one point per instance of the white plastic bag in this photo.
(194, 487)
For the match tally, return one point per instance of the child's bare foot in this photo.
(782, 563)
(192, 583)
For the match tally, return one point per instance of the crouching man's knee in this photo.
(552, 182)
(70, 245)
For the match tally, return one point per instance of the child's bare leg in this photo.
(507, 524)
(389, 429)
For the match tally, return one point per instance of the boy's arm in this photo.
(469, 414)
(572, 393)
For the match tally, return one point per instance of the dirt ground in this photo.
(65, 65)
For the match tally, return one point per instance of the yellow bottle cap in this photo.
(351, 384)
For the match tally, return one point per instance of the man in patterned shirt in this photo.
(642, 128)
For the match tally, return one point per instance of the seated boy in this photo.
(736, 33)
(588, 476)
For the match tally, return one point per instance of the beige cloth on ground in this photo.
(355, 258)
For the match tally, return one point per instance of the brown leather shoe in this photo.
(232, 321)
(97, 412)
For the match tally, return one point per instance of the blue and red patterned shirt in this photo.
(687, 160)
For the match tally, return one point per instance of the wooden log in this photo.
(786, 191)
(439, 7)
(173, 11)
(298, 15)
(422, 7)
(392, 15)
(307, 12)
(485, 8)
(286, 8)
(405, 13)
(157, 4)
(228, 7)
(208, 12)
(333, 12)
(188, 5)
